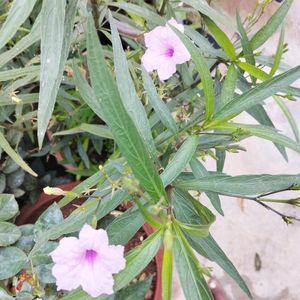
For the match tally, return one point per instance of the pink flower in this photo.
(88, 261)
(164, 50)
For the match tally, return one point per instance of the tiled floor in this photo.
(248, 229)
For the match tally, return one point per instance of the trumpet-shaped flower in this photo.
(88, 261)
(164, 50)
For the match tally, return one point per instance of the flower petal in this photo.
(166, 69)
(177, 25)
(91, 238)
(67, 276)
(113, 259)
(95, 279)
(69, 251)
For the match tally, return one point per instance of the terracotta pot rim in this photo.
(27, 212)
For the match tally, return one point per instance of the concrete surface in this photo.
(247, 228)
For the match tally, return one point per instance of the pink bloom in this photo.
(164, 50)
(88, 261)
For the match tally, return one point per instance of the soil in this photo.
(150, 270)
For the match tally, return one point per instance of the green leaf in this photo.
(265, 132)
(117, 119)
(257, 95)
(185, 211)
(258, 112)
(220, 37)
(263, 34)
(19, 72)
(9, 234)
(180, 160)
(32, 37)
(221, 155)
(203, 70)
(190, 272)
(95, 129)
(8, 206)
(87, 92)
(253, 71)
(4, 295)
(199, 230)
(135, 291)
(279, 52)
(26, 241)
(204, 8)
(141, 11)
(158, 105)
(124, 227)
(57, 30)
(200, 171)
(12, 260)
(14, 155)
(247, 48)
(49, 218)
(18, 13)
(138, 258)
(44, 273)
(204, 45)
(229, 85)
(239, 186)
(131, 102)
(289, 117)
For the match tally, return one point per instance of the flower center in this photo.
(170, 52)
(90, 255)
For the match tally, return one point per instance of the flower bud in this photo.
(54, 191)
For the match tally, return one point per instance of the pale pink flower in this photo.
(88, 261)
(164, 50)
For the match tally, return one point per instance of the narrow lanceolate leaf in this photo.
(14, 155)
(247, 48)
(229, 85)
(56, 34)
(95, 129)
(220, 37)
(87, 92)
(137, 259)
(254, 71)
(289, 116)
(131, 102)
(260, 115)
(200, 171)
(279, 52)
(241, 185)
(265, 132)
(18, 13)
(204, 72)
(32, 37)
(180, 160)
(262, 35)
(158, 105)
(118, 120)
(258, 94)
(190, 272)
(142, 11)
(205, 246)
